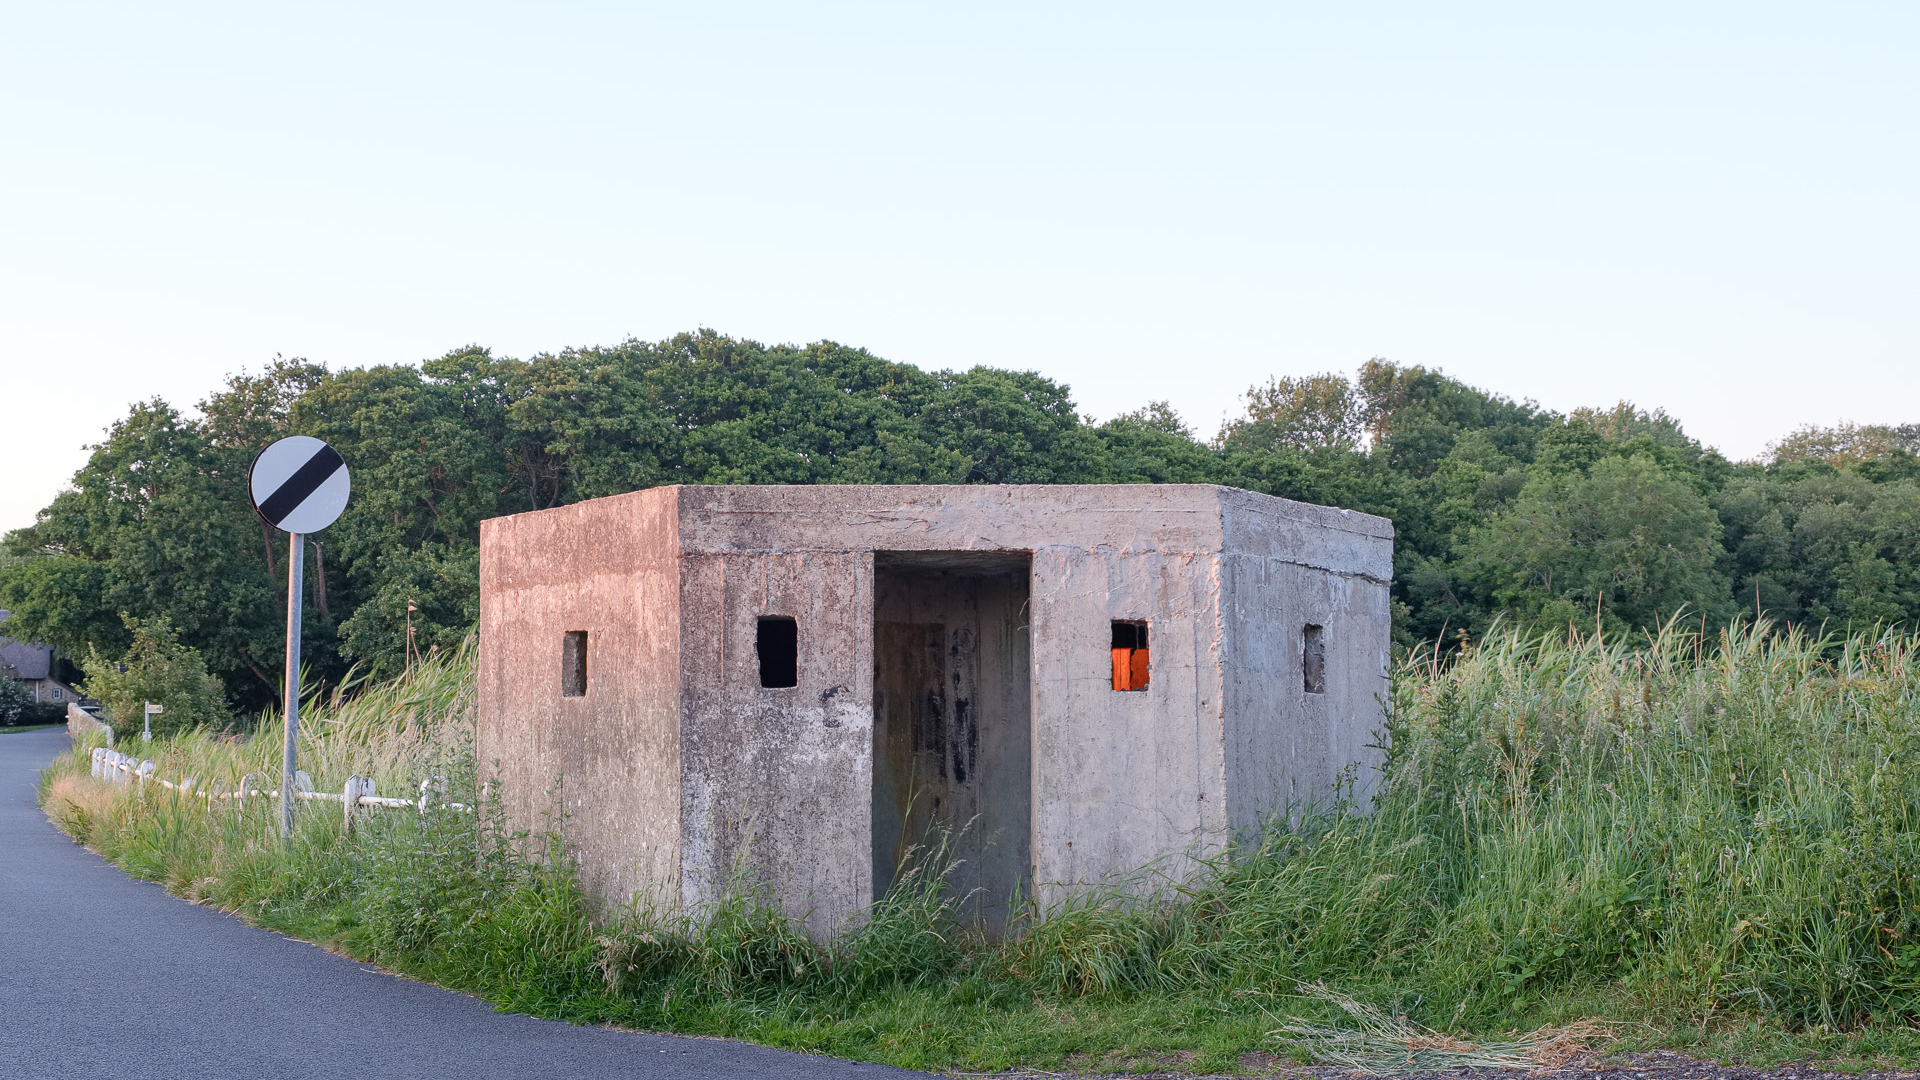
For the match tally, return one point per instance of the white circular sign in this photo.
(299, 484)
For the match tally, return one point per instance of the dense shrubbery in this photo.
(18, 709)
(1726, 831)
(1502, 509)
(155, 669)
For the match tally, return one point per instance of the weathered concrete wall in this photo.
(604, 766)
(1120, 780)
(1292, 565)
(690, 771)
(776, 781)
(975, 517)
(1124, 779)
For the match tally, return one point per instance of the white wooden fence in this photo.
(118, 768)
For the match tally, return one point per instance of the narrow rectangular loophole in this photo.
(778, 643)
(1313, 660)
(573, 664)
(1129, 654)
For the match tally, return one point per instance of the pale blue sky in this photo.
(1708, 207)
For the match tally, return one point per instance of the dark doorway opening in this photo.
(952, 732)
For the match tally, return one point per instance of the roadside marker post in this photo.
(146, 734)
(300, 485)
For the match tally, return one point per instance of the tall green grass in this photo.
(1709, 834)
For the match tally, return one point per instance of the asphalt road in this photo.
(102, 975)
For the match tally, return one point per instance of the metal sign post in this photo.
(146, 735)
(290, 756)
(298, 484)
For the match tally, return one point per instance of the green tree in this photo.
(433, 452)
(1626, 542)
(1413, 416)
(1013, 427)
(1811, 543)
(1303, 413)
(157, 523)
(826, 413)
(1154, 446)
(594, 412)
(155, 668)
(1496, 505)
(440, 582)
(1846, 444)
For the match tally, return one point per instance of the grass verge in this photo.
(1708, 845)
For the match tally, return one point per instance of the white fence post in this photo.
(350, 798)
(433, 786)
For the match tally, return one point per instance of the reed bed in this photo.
(1701, 833)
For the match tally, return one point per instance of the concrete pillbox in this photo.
(801, 687)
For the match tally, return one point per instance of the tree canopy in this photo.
(1501, 509)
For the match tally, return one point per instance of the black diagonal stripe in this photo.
(304, 482)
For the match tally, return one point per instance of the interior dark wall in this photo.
(952, 720)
